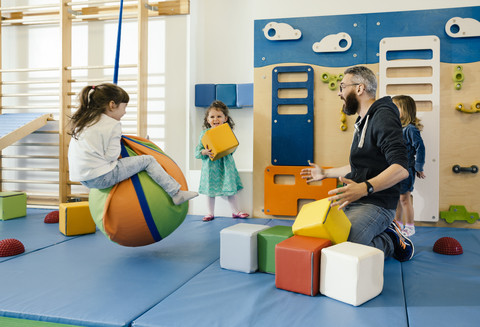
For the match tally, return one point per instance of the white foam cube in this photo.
(351, 272)
(238, 247)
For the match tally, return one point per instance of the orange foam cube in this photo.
(220, 140)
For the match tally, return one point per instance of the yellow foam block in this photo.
(220, 140)
(75, 219)
(318, 219)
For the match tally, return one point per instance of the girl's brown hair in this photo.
(409, 111)
(93, 101)
(220, 106)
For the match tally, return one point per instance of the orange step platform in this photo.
(282, 199)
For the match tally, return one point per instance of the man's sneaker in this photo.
(403, 246)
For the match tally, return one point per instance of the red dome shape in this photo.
(447, 245)
(51, 217)
(10, 247)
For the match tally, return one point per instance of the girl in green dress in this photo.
(219, 177)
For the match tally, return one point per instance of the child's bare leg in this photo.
(407, 208)
(398, 215)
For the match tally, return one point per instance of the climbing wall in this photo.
(330, 44)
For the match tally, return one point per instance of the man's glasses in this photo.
(343, 86)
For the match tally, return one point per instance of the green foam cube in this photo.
(12, 205)
(266, 242)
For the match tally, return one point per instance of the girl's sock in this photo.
(183, 196)
(409, 230)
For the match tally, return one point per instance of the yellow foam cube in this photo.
(75, 219)
(318, 219)
(220, 140)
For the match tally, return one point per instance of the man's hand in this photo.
(347, 194)
(315, 173)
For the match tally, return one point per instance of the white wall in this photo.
(221, 52)
(264, 9)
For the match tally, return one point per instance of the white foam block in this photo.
(238, 247)
(351, 272)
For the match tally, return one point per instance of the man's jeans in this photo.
(368, 225)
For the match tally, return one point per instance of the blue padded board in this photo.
(245, 95)
(219, 297)
(443, 290)
(90, 281)
(31, 231)
(227, 93)
(204, 94)
(234, 96)
(292, 134)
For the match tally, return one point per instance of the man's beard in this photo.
(350, 107)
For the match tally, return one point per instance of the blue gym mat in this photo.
(90, 281)
(443, 290)
(219, 297)
(32, 231)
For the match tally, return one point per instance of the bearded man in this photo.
(378, 162)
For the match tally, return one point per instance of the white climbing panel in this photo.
(421, 77)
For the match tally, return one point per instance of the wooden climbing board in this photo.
(14, 127)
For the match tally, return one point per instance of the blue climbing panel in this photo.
(292, 134)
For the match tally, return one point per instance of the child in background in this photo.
(219, 177)
(93, 154)
(416, 159)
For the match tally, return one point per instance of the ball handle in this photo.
(458, 169)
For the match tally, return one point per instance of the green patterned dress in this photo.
(219, 177)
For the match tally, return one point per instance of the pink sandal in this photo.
(208, 218)
(240, 214)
